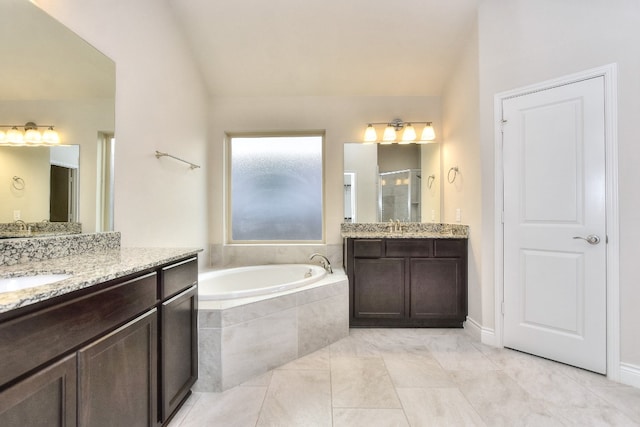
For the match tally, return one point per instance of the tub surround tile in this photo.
(322, 323)
(255, 347)
(210, 367)
(209, 319)
(263, 335)
(410, 230)
(88, 268)
(256, 310)
(298, 398)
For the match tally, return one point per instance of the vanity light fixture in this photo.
(391, 130)
(31, 136)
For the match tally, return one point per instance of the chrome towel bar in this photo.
(161, 154)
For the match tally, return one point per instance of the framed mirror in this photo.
(52, 76)
(399, 182)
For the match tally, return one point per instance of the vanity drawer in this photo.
(368, 248)
(29, 341)
(174, 278)
(450, 248)
(409, 248)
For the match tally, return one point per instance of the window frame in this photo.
(228, 185)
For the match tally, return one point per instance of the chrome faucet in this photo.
(21, 223)
(324, 261)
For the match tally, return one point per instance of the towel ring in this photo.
(455, 171)
(430, 180)
(18, 183)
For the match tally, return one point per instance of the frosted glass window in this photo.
(276, 188)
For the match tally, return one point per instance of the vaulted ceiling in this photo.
(325, 47)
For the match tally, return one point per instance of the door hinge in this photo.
(502, 123)
(502, 217)
(502, 308)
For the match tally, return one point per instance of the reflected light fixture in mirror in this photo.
(390, 134)
(31, 136)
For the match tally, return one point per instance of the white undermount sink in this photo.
(12, 284)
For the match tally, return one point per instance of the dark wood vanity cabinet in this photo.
(407, 282)
(178, 337)
(117, 376)
(123, 354)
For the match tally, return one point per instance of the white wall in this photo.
(461, 148)
(343, 118)
(522, 42)
(161, 105)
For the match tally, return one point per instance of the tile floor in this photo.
(417, 377)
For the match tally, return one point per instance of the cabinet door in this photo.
(438, 289)
(117, 376)
(44, 399)
(179, 355)
(379, 290)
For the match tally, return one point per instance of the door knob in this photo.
(592, 239)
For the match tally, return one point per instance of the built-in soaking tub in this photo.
(256, 318)
(256, 280)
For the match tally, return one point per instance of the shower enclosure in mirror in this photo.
(399, 182)
(51, 75)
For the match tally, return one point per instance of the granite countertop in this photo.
(87, 269)
(408, 230)
(27, 234)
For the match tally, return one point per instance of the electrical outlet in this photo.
(458, 215)
(17, 215)
(433, 215)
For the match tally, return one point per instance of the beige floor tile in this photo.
(625, 398)
(297, 398)
(319, 360)
(361, 382)
(347, 417)
(417, 377)
(413, 370)
(438, 407)
(237, 407)
(500, 401)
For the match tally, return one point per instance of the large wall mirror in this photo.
(392, 182)
(50, 76)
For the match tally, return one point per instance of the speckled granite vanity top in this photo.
(408, 230)
(87, 268)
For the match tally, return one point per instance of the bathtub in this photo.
(257, 280)
(254, 319)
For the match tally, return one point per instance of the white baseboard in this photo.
(484, 335)
(630, 374)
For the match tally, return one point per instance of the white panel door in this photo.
(554, 199)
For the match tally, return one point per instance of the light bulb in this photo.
(14, 136)
(389, 135)
(32, 136)
(428, 134)
(370, 134)
(408, 135)
(50, 136)
(3, 137)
